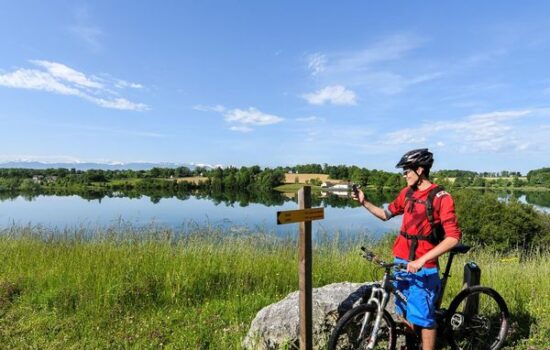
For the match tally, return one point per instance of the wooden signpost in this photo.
(304, 216)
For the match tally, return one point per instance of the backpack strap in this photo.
(414, 243)
(409, 198)
(430, 206)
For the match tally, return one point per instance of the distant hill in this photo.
(103, 166)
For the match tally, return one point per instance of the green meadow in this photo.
(150, 288)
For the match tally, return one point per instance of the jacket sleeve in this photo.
(397, 207)
(448, 218)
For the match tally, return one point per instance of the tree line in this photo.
(249, 178)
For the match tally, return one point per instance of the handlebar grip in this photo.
(401, 266)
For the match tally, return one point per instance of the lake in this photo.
(72, 211)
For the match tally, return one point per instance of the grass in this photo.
(291, 188)
(149, 288)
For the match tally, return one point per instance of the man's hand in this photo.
(358, 196)
(416, 265)
(362, 199)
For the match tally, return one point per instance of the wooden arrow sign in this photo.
(292, 216)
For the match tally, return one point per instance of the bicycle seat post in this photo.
(444, 277)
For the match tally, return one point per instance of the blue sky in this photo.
(276, 83)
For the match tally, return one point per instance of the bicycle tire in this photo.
(478, 318)
(345, 333)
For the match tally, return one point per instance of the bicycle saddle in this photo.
(460, 249)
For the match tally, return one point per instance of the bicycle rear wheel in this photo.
(347, 332)
(478, 320)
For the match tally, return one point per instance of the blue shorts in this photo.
(422, 290)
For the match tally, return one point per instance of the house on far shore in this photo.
(341, 187)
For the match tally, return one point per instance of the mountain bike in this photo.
(477, 317)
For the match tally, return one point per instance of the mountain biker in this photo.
(416, 244)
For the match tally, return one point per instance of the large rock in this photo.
(277, 325)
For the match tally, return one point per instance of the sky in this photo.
(274, 83)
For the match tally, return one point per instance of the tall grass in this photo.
(149, 288)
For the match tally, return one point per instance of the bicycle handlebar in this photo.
(370, 256)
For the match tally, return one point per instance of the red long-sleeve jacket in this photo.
(415, 221)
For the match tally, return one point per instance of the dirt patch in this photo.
(8, 292)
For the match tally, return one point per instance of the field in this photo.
(152, 289)
(302, 178)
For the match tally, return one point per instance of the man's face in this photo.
(411, 176)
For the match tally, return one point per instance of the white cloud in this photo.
(122, 84)
(316, 63)
(251, 116)
(492, 132)
(61, 79)
(62, 72)
(337, 95)
(242, 120)
(36, 80)
(120, 103)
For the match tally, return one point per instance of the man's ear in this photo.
(420, 170)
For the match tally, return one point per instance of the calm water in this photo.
(74, 211)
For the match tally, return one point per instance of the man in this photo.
(429, 229)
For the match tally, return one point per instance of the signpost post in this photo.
(304, 216)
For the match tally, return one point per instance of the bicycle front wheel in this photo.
(478, 319)
(347, 332)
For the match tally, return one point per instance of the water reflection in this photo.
(236, 211)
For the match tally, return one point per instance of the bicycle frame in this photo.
(380, 296)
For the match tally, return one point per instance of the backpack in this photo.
(437, 234)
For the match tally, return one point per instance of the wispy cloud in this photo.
(316, 63)
(216, 108)
(390, 48)
(61, 79)
(39, 158)
(241, 128)
(309, 119)
(89, 33)
(488, 132)
(369, 68)
(337, 95)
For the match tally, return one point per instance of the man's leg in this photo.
(429, 338)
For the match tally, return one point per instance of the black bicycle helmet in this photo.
(415, 158)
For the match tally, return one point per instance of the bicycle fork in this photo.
(380, 304)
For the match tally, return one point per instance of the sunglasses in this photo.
(406, 171)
